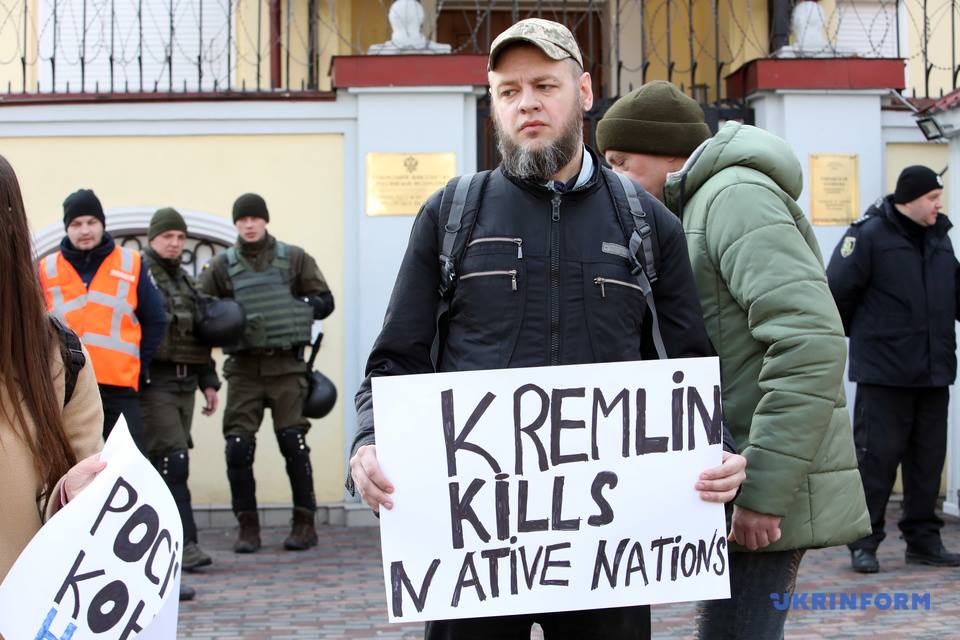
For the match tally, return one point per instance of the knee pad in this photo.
(175, 466)
(293, 442)
(239, 452)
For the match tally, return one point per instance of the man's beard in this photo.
(544, 162)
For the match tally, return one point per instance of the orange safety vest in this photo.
(102, 316)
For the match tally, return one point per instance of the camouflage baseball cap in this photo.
(552, 38)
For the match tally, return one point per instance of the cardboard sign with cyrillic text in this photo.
(105, 566)
(550, 488)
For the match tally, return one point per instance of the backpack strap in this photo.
(640, 242)
(459, 205)
(71, 352)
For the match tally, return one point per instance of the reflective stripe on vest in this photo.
(104, 316)
(58, 307)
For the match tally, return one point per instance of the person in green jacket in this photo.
(282, 292)
(776, 329)
(182, 366)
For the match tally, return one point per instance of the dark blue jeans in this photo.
(749, 613)
(622, 623)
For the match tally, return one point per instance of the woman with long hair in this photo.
(42, 437)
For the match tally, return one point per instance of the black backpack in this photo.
(461, 200)
(73, 359)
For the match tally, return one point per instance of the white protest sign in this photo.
(550, 488)
(106, 564)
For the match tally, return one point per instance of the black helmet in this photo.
(220, 321)
(322, 396)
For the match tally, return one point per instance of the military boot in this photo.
(187, 593)
(248, 537)
(303, 535)
(194, 557)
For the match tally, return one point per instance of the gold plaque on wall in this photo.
(834, 189)
(398, 183)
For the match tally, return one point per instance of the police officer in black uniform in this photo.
(181, 366)
(895, 280)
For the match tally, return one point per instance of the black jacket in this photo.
(896, 286)
(551, 311)
(170, 376)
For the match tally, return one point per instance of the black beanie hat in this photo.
(915, 181)
(657, 119)
(250, 204)
(82, 202)
(166, 219)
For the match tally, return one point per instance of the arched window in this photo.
(207, 236)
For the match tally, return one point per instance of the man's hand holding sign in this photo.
(718, 484)
(549, 489)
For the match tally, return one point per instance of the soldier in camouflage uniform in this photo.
(282, 292)
(181, 366)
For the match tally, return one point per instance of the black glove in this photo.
(322, 305)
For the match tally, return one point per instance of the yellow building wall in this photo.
(351, 26)
(295, 50)
(300, 177)
(15, 43)
(745, 35)
(938, 47)
(337, 34)
(248, 16)
(345, 27)
(369, 24)
(900, 156)
(743, 31)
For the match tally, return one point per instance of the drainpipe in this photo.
(780, 24)
(275, 44)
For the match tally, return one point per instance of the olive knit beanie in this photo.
(656, 119)
(166, 219)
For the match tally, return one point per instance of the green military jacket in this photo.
(305, 279)
(773, 322)
(180, 346)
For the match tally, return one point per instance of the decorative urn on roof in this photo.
(406, 20)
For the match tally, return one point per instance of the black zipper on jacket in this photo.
(555, 281)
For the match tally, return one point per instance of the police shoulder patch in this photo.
(847, 247)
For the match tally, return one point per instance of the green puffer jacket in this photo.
(774, 324)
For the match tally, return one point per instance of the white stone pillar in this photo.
(951, 503)
(828, 122)
(404, 104)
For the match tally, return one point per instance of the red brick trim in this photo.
(409, 70)
(770, 74)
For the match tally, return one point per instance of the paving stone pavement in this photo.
(336, 591)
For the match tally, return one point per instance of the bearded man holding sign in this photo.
(548, 260)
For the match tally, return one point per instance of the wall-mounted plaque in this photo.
(398, 183)
(834, 189)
